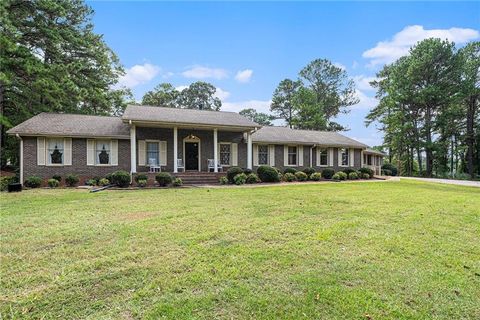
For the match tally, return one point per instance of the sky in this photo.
(246, 48)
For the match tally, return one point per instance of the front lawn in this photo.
(385, 250)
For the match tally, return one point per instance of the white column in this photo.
(215, 151)
(133, 149)
(249, 151)
(175, 150)
(21, 160)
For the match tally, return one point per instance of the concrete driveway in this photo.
(446, 181)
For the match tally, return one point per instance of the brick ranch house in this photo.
(152, 139)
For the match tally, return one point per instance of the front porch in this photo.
(191, 177)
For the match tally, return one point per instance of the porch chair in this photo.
(154, 167)
(211, 165)
(180, 165)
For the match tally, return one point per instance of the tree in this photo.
(309, 113)
(199, 95)
(282, 105)
(163, 95)
(261, 118)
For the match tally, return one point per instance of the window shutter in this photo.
(90, 152)
(163, 153)
(285, 155)
(351, 157)
(317, 157)
(114, 151)
(330, 157)
(255, 155)
(234, 154)
(300, 156)
(339, 152)
(142, 153)
(40, 151)
(67, 151)
(271, 156)
(361, 158)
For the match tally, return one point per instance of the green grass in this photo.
(393, 250)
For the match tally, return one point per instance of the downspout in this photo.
(21, 158)
(311, 154)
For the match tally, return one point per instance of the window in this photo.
(102, 152)
(262, 155)
(153, 154)
(55, 151)
(344, 155)
(292, 156)
(369, 159)
(225, 149)
(324, 157)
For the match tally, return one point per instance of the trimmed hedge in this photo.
(223, 180)
(309, 171)
(57, 177)
(177, 182)
(268, 174)
(340, 175)
(53, 183)
(240, 179)
(366, 171)
(163, 179)
(301, 176)
(393, 169)
(353, 176)
(141, 176)
(316, 176)
(252, 178)
(328, 173)
(120, 178)
(103, 182)
(33, 182)
(289, 177)
(290, 170)
(232, 172)
(71, 180)
(348, 170)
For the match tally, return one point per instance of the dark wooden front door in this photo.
(191, 156)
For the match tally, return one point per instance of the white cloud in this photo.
(363, 82)
(180, 88)
(139, 74)
(201, 72)
(259, 105)
(222, 94)
(390, 50)
(354, 64)
(244, 76)
(366, 102)
(339, 65)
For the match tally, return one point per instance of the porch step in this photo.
(199, 178)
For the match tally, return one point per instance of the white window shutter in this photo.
(351, 157)
(271, 156)
(163, 153)
(285, 155)
(41, 151)
(234, 154)
(300, 156)
(142, 152)
(90, 152)
(255, 155)
(67, 151)
(114, 151)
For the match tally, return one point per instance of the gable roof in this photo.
(187, 117)
(286, 135)
(370, 150)
(74, 125)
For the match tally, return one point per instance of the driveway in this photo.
(447, 181)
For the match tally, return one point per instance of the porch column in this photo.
(215, 151)
(175, 150)
(249, 150)
(133, 149)
(21, 160)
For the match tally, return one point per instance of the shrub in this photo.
(365, 175)
(301, 176)
(290, 170)
(387, 172)
(5, 181)
(223, 180)
(247, 171)
(391, 167)
(53, 183)
(240, 178)
(268, 174)
(348, 170)
(109, 177)
(57, 177)
(97, 179)
(91, 182)
(164, 179)
(141, 176)
(103, 182)
(367, 171)
(309, 171)
(177, 182)
(71, 180)
(232, 172)
(252, 178)
(327, 173)
(33, 182)
(289, 177)
(120, 178)
(142, 183)
(316, 176)
(353, 176)
(340, 176)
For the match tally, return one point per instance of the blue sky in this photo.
(246, 49)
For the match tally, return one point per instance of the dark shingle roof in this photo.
(187, 116)
(370, 150)
(287, 135)
(75, 125)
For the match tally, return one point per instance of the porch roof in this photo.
(186, 117)
(376, 152)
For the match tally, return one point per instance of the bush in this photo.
(103, 182)
(348, 170)
(252, 178)
(289, 177)
(309, 171)
(301, 176)
(120, 178)
(5, 181)
(33, 182)
(53, 183)
(142, 183)
(316, 176)
(365, 175)
(223, 180)
(97, 179)
(71, 180)
(91, 182)
(367, 171)
(57, 177)
(247, 171)
(391, 167)
(177, 182)
(109, 177)
(353, 176)
(327, 173)
(340, 176)
(290, 170)
(387, 172)
(232, 172)
(268, 174)
(141, 176)
(164, 179)
(240, 178)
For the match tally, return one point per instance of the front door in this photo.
(191, 156)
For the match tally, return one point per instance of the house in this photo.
(147, 139)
